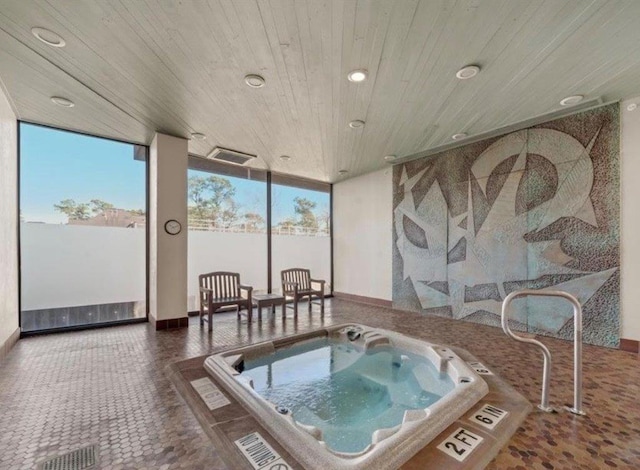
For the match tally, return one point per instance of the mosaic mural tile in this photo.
(536, 208)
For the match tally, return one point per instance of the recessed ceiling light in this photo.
(632, 107)
(467, 72)
(285, 158)
(459, 136)
(356, 124)
(60, 101)
(254, 81)
(390, 158)
(48, 37)
(198, 136)
(357, 75)
(343, 172)
(571, 100)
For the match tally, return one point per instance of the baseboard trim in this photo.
(170, 323)
(363, 299)
(630, 345)
(9, 343)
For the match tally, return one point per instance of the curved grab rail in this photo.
(577, 349)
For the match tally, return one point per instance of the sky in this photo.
(57, 165)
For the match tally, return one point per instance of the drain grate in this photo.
(75, 460)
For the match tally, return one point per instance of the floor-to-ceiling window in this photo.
(227, 221)
(301, 228)
(229, 225)
(82, 229)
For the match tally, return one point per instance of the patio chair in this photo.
(297, 284)
(222, 289)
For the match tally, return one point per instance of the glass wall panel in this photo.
(300, 233)
(82, 229)
(227, 224)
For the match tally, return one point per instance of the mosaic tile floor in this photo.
(109, 387)
(215, 423)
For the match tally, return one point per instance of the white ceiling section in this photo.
(134, 67)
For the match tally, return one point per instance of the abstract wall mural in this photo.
(537, 208)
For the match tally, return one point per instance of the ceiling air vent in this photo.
(230, 156)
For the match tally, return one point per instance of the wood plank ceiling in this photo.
(134, 67)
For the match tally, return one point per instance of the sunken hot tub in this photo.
(350, 396)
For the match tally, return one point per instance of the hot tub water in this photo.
(345, 392)
(349, 397)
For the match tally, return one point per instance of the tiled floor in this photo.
(109, 387)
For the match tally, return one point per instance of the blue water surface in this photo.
(345, 392)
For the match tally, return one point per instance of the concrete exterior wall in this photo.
(71, 265)
(8, 226)
(61, 266)
(362, 211)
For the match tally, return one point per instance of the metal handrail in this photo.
(577, 346)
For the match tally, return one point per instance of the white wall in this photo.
(630, 229)
(167, 253)
(8, 221)
(72, 265)
(362, 209)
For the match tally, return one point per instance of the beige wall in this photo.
(8, 223)
(362, 209)
(167, 253)
(362, 230)
(630, 227)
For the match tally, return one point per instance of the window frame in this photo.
(147, 232)
(271, 178)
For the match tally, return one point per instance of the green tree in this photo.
(287, 225)
(73, 210)
(198, 196)
(212, 198)
(324, 219)
(99, 206)
(304, 209)
(95, 207)
(229, 213)
(253, 222)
